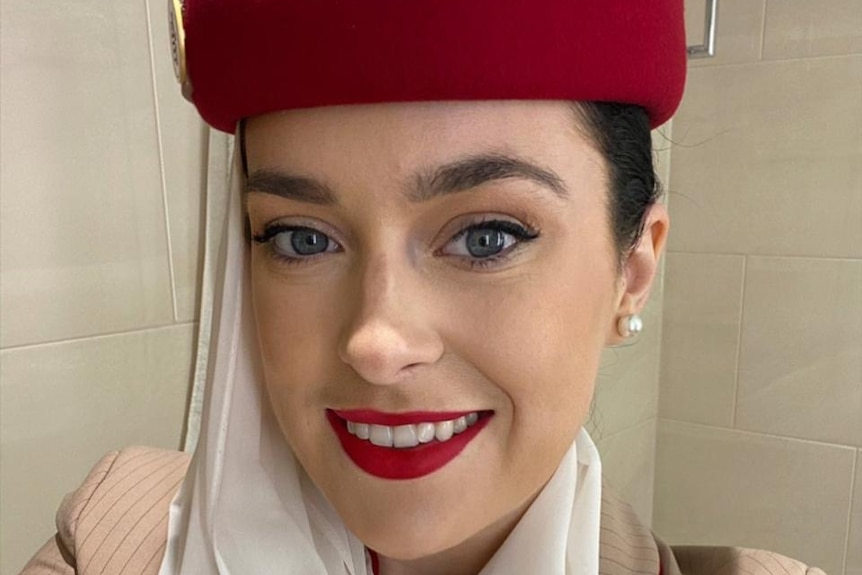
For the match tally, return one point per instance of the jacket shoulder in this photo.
(702, 560)
(117, 520)
(626, 545)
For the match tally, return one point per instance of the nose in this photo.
(389, 335)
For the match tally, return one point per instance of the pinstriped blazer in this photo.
(116, 523)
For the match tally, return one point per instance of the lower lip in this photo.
(402, 463)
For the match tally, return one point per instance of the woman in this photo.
(434, 230)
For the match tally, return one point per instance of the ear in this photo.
(639, 269)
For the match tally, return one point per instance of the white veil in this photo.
(247, 507)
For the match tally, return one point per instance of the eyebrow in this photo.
(457, 176)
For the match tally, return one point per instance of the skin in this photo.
(394, 318)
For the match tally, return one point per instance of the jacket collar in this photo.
(627, 546)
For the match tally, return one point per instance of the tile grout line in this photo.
(762, 31)
(782, 60)
(738, 342)
(816, 442)
(850, 511)
(172, 272)
(806, 57)
(98, 336)
(772, 256)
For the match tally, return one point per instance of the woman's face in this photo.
(393, 316)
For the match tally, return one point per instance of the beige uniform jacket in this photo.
(117, 522)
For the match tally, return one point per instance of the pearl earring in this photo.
(630, 325)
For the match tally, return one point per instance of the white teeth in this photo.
(381, 435)
(425, 432)
(404, 436)
(460, 424)
(443, 431)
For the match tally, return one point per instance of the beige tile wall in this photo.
(99, 228)
(761, 357)
(719, 486)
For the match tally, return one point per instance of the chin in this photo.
(405, 534)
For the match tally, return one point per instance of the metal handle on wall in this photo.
(707, 49)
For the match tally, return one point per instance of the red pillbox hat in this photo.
(240, 58)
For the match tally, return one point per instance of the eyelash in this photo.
(522, 234)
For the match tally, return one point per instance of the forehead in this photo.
(396, 138)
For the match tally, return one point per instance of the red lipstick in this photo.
(401, 463)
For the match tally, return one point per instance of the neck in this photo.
(466, 558)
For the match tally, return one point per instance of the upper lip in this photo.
(405, 418)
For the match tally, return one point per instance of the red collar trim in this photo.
(375, 562)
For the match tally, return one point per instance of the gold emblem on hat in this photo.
(178, 39)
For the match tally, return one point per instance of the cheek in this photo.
(539, 338)
(295, 327)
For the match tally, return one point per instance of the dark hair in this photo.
(621, 133)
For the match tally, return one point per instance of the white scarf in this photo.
(247, 507)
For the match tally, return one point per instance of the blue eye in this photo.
(303, 241)
(486, 240)
(491, 242)
(288, 242)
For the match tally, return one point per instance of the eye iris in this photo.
(484, 242)
(301, 240)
